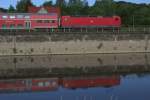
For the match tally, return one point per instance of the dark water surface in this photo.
(78, 77)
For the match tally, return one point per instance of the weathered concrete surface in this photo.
(73, 44)
(42, 66)
(72, 61)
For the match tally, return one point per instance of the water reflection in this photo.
(53, 84)
(52, 65)
(77, 77)
(110, 87)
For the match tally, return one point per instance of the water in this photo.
(116, 77)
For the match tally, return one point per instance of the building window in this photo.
(12, 17)
(26, 17)
(4, 17)
(4, 26)
(12, 26)
(20, 16)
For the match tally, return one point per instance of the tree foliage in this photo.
(3, 10)
(11, 9)
(48, 3)
(22, 5)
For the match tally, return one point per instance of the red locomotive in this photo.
(47, 18)
(77, 22)
(53, 84)
(102, 81)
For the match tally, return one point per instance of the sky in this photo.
(6, 3)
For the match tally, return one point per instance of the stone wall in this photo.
(39, 44)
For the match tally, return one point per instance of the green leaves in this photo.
(22, 5)
(11, 9)
(48, 3)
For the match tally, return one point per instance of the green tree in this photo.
(85, 3)
(3, 10)
(22, 5)
(11, 9)
(75, 7)
(104, 7)
(142, 16)
(61, 3)
(85, 8)
(48, 3)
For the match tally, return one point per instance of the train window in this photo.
(20, 16)
(52, 21)
(39, 21)
(12, 26)
(26, 17)
(47, 83)
(40, 84)
(4, 26)
(12, 17)
(46, 21)
(4, 17)
(20, 26)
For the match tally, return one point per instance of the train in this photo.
(102, 81)
(53, 84)
(53, 20)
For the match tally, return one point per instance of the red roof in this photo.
(33, 9)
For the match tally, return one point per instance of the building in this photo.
(44, 10)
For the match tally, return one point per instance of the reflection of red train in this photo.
(48, 17)
(51, 84)
(29, 85)
(90, 82)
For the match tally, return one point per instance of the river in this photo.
(75, 77)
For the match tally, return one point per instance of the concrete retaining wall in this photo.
(73, 44)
